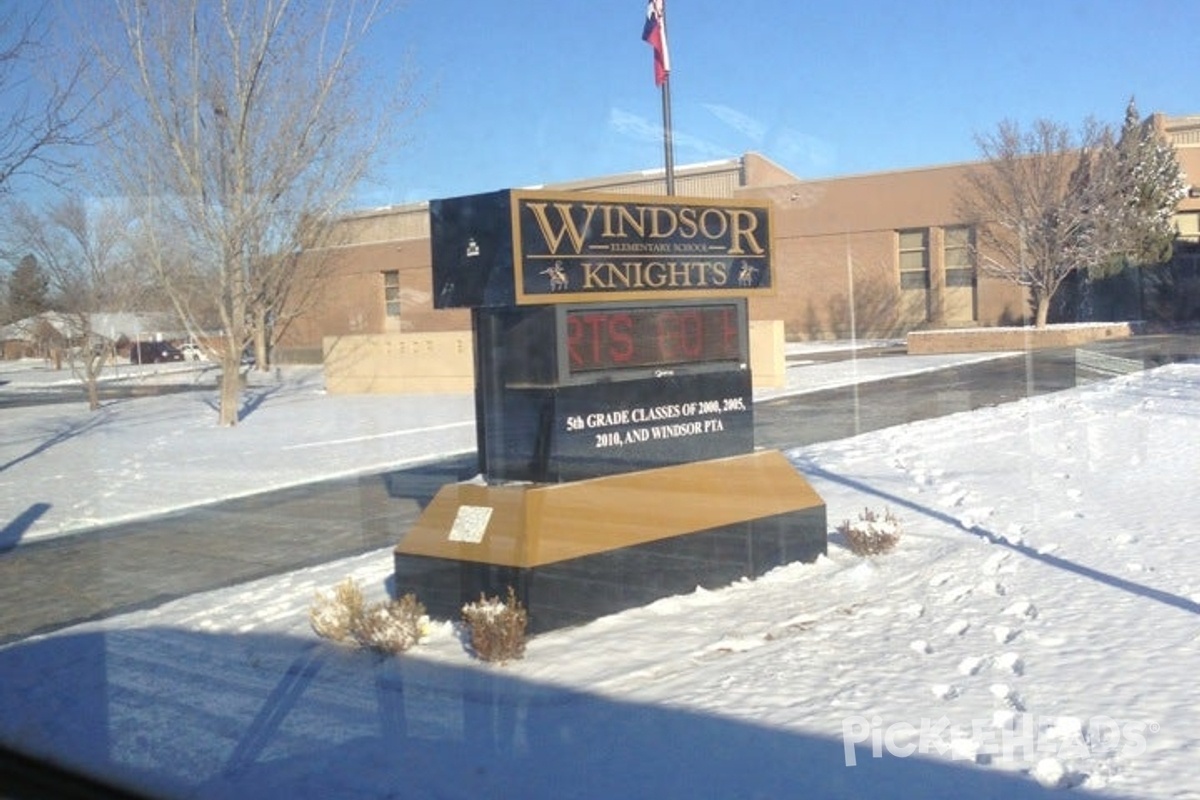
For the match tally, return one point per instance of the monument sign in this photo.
(614, 405)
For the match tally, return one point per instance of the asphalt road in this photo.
(77, 394)
(45, 585)
(838, 413)
(199, 378)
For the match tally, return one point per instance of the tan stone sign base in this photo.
(534, 525)
(575, 551)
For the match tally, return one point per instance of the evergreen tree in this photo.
(1150, 184)
(28, 289)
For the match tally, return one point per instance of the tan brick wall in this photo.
(768, 356)
(400, 363)
(977, 340)
(350, 298)
(825, 233)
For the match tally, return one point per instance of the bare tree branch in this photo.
(45, 103)
(86, 258)
(247, 126)
(1047, 203)
(1014, 199)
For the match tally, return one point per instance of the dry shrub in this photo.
(392, 626)
(497, 629)
(336, 617)
(871, 534)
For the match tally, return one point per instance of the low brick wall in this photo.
(768, 361)
(427, 363)
(400, 363)
(979, 340)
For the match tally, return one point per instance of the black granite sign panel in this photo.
(531, 247)
(625, 425)
(580, 431)
(471, 244)
(576, 391)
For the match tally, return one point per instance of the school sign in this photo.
(532, 247)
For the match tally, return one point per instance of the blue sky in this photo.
(524, 92)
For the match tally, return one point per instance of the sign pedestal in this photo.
(575, 551)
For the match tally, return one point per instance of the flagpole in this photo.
(668, 136)
(668, 142)
(654, 33)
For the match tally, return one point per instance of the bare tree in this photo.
(43, 102)
(85, 257)
(247, 125)
(1033, 219)
(1048, 203)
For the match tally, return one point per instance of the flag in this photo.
(654, 33)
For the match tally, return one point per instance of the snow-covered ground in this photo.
(1037, 629)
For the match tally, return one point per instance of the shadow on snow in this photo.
(178, 713)
(809, 468)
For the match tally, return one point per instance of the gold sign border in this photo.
(545, 298)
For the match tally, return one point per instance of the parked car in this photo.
(192, 352)
(153, 353)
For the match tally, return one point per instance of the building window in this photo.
(914, 259)
(960, 267)
(1187, 226)
(959, 300)
(391, 293)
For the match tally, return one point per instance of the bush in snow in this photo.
(335, 617)
(871, 534)
(389, 627)
(394, 626)
(497, 629)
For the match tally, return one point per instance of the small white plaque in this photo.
(470, 524)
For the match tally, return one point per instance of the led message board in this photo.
(624, 337)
